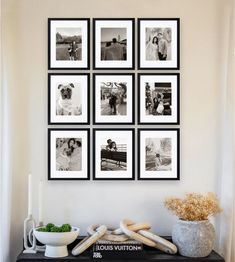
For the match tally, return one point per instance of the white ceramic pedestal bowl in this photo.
(56, 242)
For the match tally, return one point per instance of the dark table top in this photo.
(149, 254)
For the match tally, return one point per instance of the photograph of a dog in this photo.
(113, 98)
(158, 154)
(68, 98)
(113, 154)
(68, 101)
(158, 98)
(69, 43)
(68, 154)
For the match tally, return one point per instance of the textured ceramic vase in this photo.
(194, 238)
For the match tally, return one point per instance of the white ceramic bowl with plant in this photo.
(56, 238)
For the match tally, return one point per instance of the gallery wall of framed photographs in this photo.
(109, 98)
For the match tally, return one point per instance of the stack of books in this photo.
(111, 250)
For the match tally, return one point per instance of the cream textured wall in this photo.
(82, 203)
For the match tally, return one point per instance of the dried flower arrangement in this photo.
(194, 207)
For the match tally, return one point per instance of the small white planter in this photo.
(194, 238)
(56, 242)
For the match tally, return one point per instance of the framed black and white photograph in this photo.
(159, 154)
(68, 43)
(68, 98)
(68, 154)
(113, 98)
(158, 43)
(113, 154)
(158, 98)
(113, 43)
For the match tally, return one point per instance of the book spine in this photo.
(118, 247)
(116, 250)
(116, 254)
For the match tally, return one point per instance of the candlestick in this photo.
(29, 195)
(29, 249)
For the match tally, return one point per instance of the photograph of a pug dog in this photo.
(68, 98)
(66, 104)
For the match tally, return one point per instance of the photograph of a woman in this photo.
(68, 154)
(152, 49)
(158, 155)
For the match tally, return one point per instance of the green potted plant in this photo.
(56, 238)
(193, 234)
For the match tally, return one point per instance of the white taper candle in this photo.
(40, 202)
(30, 195)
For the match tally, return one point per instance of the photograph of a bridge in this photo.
(113, 154)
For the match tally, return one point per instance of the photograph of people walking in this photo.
(113, 98)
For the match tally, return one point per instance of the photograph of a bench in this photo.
(113, 159)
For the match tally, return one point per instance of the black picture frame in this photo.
(177, 67)
(177, 130)
(132, 130)
(50, 130)
(50, 67)
(132, 67)
(132, 75)
(177, 122)
(50, 122)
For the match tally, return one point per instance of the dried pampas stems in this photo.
(194, 206)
